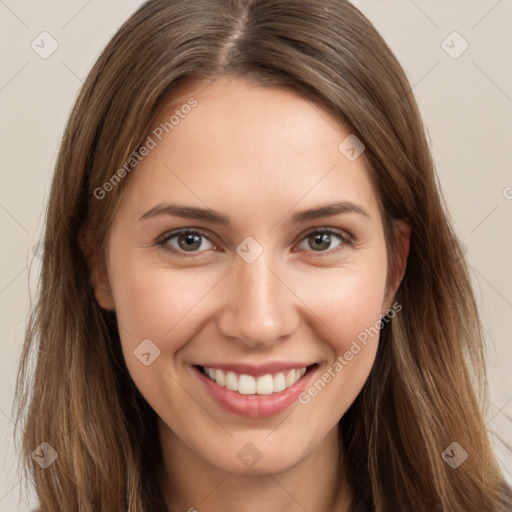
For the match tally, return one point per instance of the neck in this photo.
(190, 483)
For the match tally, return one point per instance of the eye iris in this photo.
(320, 238)
(191, 241)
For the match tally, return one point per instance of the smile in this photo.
(251, 385)
(254, 392)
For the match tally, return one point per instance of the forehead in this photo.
(233, 141)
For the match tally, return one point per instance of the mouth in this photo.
(253, 385)
(254, 393)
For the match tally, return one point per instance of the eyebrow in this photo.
(209, 215)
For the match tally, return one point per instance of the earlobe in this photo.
(401, 255)
(404, 245)
(102, 291)
(98, 274)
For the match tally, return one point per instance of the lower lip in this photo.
(255, 406)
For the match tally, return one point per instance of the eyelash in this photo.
(346, 241)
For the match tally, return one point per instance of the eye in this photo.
(320, 240)
(184, 241)
(191, 241)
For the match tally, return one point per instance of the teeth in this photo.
(231, 381)
(290, 378)
(219, 377)
(265, 385)
(249, 385)
(246, 385)
(279, 382)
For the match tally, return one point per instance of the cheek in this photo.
(166, 306)
(346, 300)
(153, 301)
(348, 304)
(172, 306)
(156, 303)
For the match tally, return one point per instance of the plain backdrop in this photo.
(458, 57)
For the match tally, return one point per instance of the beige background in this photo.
(465, 98)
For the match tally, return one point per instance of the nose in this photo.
(260, 309)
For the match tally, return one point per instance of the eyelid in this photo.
(348, 240)
(162, 241)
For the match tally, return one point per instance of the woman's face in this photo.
(218, 258)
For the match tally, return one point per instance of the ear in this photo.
(402, 245)
(98, 273)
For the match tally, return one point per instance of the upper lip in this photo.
(257, 370)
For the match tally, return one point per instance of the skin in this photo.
(257, 155)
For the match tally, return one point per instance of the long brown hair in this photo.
(427, 387)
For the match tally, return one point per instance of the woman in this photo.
(193, 352)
